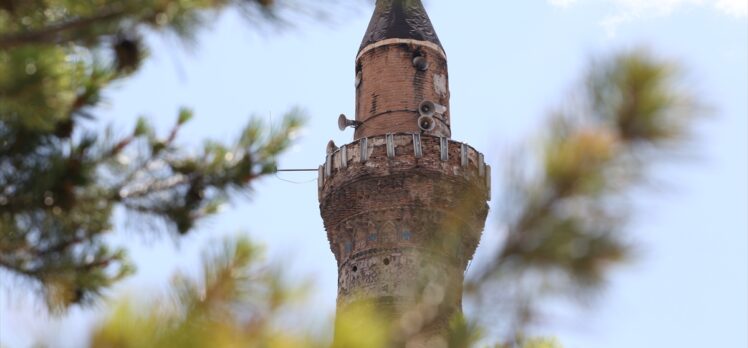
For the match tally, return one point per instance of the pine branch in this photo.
(56, 33)
(567, 232)
(59, 182)
(16, 269)
(154, 186)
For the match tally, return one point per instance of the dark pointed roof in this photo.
(402, 19)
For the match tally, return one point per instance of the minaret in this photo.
(404, 205)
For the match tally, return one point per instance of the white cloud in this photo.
(631, 10)
(737, 8)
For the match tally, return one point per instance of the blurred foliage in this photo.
(238, 303)
(542, 343)
(61, 177)
(566, 210)
(234, 305)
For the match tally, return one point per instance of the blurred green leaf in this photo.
(184, 116)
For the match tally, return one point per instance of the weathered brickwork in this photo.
(404, 206)
(399, 219)
(390, 89)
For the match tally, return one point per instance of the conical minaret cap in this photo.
(399, 19)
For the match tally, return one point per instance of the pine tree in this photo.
(60, 178)
(567, 206)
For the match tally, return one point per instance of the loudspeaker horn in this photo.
(344, 122)
(427, 108)
(426, 123)
(421, 63)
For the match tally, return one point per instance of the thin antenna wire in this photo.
(270, 118)
(294, 182)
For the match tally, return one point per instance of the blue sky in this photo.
(522, 58)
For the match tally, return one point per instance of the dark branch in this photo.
(53, 33)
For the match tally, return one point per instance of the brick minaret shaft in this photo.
(404, 205)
